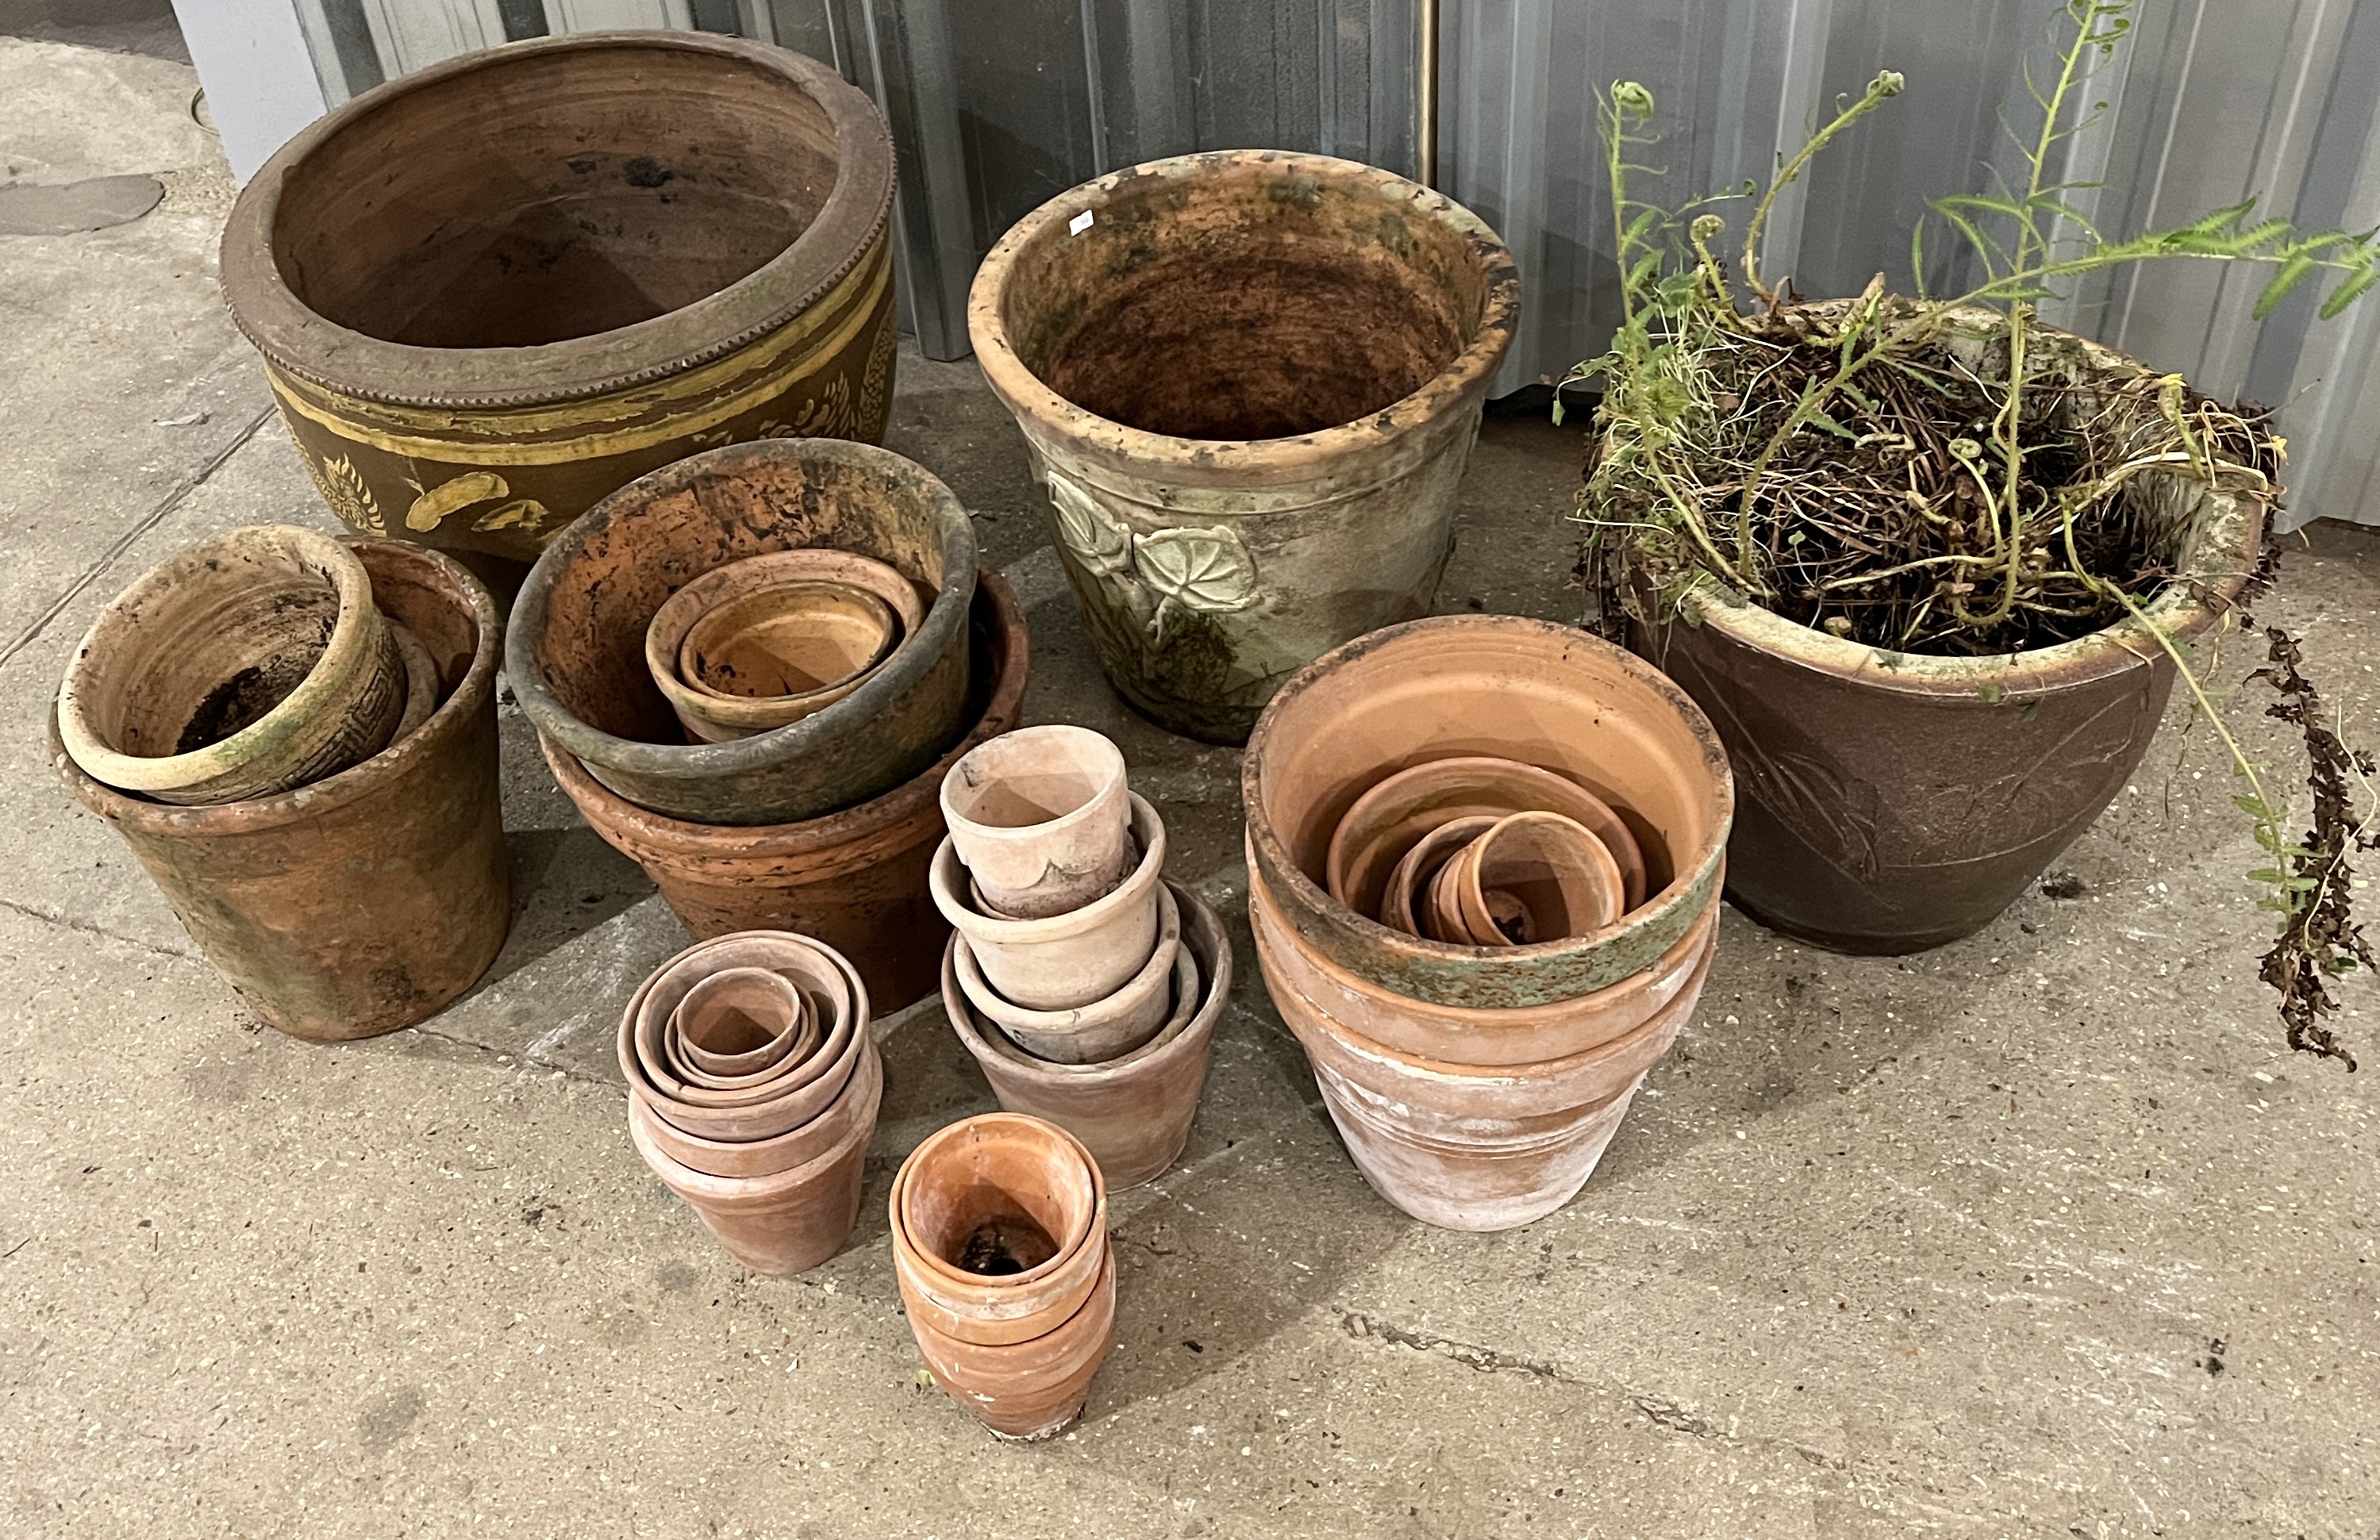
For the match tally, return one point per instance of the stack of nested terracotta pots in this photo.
(810, 614)
(753, 1088)
(1000, 1241)
(270, 715)
(1086, 984)
(1484, 859)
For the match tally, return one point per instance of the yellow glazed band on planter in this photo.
(687, 246)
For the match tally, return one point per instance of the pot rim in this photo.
(317, 799)
(742, 1191)
(1690, 870)
(2206, 592)
(992, 1287)
(1284, 459)
(1146, 982)
(293, 336)
(701, 763)
(1146, 875)
(642, 835)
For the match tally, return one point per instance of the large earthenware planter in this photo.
(575, 650)
(854, 879)
(1895, 801)
(250, 663)
(492, 292)
(365, 902)
(1502, 687)
(1250, 381)
(1132, 1113)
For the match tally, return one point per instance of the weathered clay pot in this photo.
(1394, 815)
(668, 634)
(853, 1103)
(248, 665)
(1132, 1113)
(1413, 880)
(1535, 876)
(575, 651)
(796, 1090)
(793, 650)
(1501, 686)
(492, 291)
(1040, 820)
(1104, 1029)
(1478, 1148)
(1250, 381)
(1486, 1038)
(783, 1223)
(853, 879)
(1895, 801)
(1000, 1245)
(423, 689)
(734, 1027)
(1068, 960)
(270, 888)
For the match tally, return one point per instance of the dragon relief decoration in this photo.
(343, 488)
(1204, 570)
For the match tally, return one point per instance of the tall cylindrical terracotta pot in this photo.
(855, 880)
(491, 291)
(367, 901)
(1250, 381)
(1896, 801)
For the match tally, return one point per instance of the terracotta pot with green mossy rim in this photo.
(1250, 381)
(1894, 801)
(854, 879)
(492, 291)
(365, 902)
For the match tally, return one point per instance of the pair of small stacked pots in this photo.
(1477, 1085)
(999, 1242)
(825, 825)
(753, 1090)
(1086, 985)
(269, 714)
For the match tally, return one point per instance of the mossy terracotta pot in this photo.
(855, 880)
(575, 650)
(367, 901)
(1896, 801)
(248, 665)
(1497, 686)
(492, 291)
(1133, 1113)
(1250, 381)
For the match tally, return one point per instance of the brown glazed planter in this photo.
(492, 292)
(1505, 687)
(274, 888)
(575, 654)
(1133, 1113)
(854, 879)
(1232, 370)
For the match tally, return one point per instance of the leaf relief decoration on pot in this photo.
(1096, 538)
(431, 505)
(1205, 570)
(343, 488)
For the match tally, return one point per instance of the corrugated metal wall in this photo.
(996, 104)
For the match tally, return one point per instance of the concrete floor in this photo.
(2039, 1234)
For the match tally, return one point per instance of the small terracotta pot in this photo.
(1068, 960)
(269, 887)
(776, 656)
(423, 688)
(1387, 821)
(252, 663)
(736, 1025)
(1042, 820)
(1460, 1035)
(796, 1091)
(1133, 1113)
(1537, 877)
(1411, 880)
(786, 1222)
(854, 1102)
(575, 651)
(1527, 690)
(855, 880)
(992, 1185)
(1102, 1030)
(1028, 1390)
(667, 634)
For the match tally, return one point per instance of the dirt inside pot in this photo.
(245, 700)
(1006, 1246)
(1264, 341)
(552, 196)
